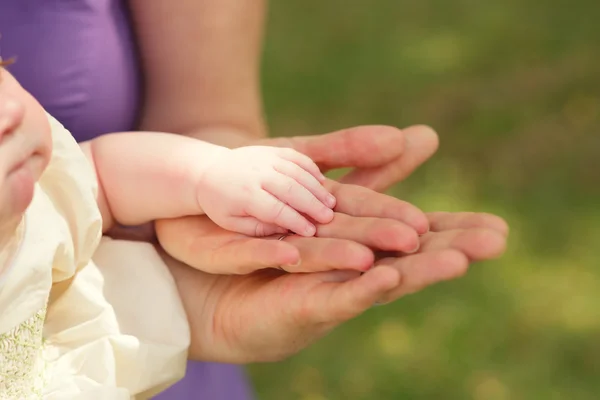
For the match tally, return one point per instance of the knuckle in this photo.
(316, 206)
(289, 187)
(279, 211)
(248, 188)
(259, 230)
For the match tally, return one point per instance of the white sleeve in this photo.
(9, 253)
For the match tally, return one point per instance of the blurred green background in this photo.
(513, 88)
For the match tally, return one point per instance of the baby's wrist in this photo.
(204, 171)
(209, 162)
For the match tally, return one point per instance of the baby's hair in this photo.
(4, 63)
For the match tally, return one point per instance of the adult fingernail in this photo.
(296, 264)
(415, 249)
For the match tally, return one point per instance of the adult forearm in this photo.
(194, 288)
(224, 136)
(201, 64)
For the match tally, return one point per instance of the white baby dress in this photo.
(75, 328)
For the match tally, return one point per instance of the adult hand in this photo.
(380, 155)
(269, 315)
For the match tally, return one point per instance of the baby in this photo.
(59, 335)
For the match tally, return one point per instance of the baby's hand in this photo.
(259, 191)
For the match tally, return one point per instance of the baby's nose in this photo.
(12, 113)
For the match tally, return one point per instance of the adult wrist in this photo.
(227, 136)
(182, 275)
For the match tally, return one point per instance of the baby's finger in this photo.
(308, 181)
(297, 196)
(266, 208)
(305, 162)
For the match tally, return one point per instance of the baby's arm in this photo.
(145, 176)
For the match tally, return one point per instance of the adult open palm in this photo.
(270, 314)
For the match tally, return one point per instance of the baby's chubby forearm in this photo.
(144, 176)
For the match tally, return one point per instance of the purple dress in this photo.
(78, 58)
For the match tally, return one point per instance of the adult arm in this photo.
(201, 68)
(201, 65)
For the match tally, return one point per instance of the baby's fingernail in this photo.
(327, 216)
(310, 230)
(330, 201)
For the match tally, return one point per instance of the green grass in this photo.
(513, 88)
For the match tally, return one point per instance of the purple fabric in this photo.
(78, 58)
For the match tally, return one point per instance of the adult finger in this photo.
(253, 227)
(334, 302)
(199, 243)
(362, 146)
(421, 270)
(442, 221)
(476, 243)
(421, 142)
(324, 254)
(362, 202)
(378, 233)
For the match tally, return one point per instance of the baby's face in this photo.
(25, 149)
